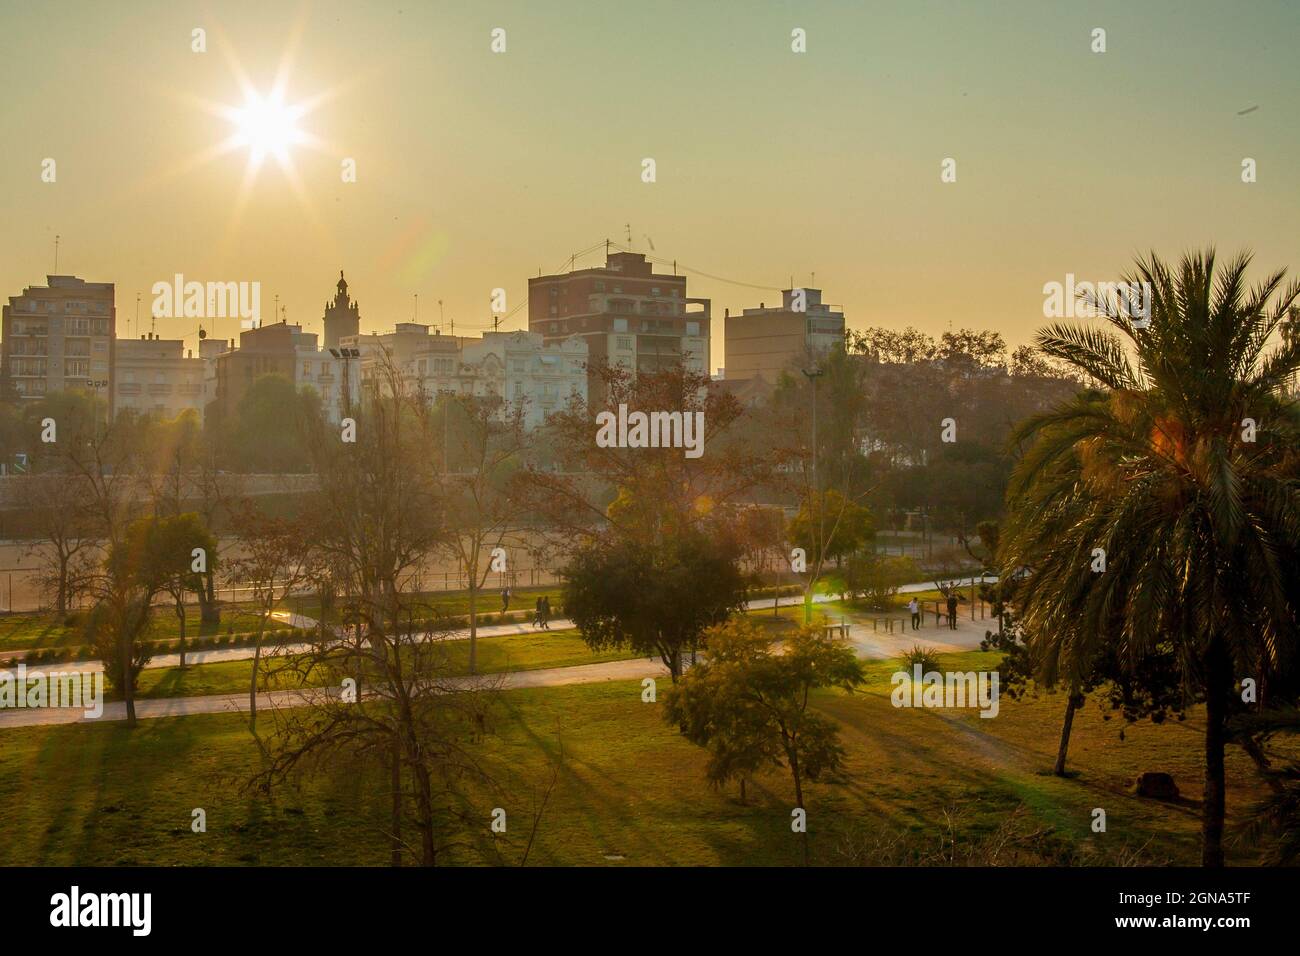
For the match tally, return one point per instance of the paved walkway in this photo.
(238, 703)
(217, 655)
(870, 644)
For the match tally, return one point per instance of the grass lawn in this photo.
(26, 631)
(451, 603)
(495, 654)
(920, 785)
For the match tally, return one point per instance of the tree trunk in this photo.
(252, 686)
(473, 624)
(396, 785)
(798, 799)
(208, 611)
(61, 599)
(180, 613)
(424, 794)
(1218, 676)
(1072, 703)
(742, 789)
(128, 654)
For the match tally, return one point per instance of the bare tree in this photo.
(486, 504)
(276, 559)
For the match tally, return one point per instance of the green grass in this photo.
(451, 603)
(530, 651)
(24, 632)
(629, 787)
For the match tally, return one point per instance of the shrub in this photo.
(927, 657)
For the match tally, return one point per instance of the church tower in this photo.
(342, 316)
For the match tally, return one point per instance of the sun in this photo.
(266, 125)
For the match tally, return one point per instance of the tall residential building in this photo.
(59, 337)
(764, 342)
(626, 313)
(157, 376)
(342, 316)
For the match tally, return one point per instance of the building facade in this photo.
(157, 376)
(285, 350)
(625, 313)
(764, 342)
(59, 337)
(518, 367)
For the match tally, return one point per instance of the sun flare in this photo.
(266, 125)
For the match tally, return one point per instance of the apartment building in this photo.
(625, 312)
(157, 376)
(59, 337)
(764, 342)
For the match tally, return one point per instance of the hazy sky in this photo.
(475, 169)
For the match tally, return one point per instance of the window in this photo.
(620, 325)
(600, 287)
(692, 328)
(654, 290)
(624, 343)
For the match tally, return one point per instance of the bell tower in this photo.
(342, 316)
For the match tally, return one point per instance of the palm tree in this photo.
(1160, 509)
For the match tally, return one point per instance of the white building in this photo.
(328, 374)
(520, 369)
(156, 376)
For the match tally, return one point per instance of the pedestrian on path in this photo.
(952, 610)
(505, 600)
(546, 612)
(914, 608)
(537, 614)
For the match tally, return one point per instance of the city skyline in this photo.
(466, 185)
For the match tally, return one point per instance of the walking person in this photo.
(537, 614)
(546, 612)
(914, 608)
(952, 610)
(505, 599)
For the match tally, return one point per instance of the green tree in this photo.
(749, 703)
(654, 596)
(829, 527)
(177, 539)
(270, 427)
(1180, 474)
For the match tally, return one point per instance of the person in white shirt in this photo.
(914, 606)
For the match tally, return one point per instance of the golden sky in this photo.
(475, 169)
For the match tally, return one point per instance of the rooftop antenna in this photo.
(56, 254)
(814, 280)
(153, 319)
(628, 226)
(417, 307)
(277, 308)
(136, 324)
